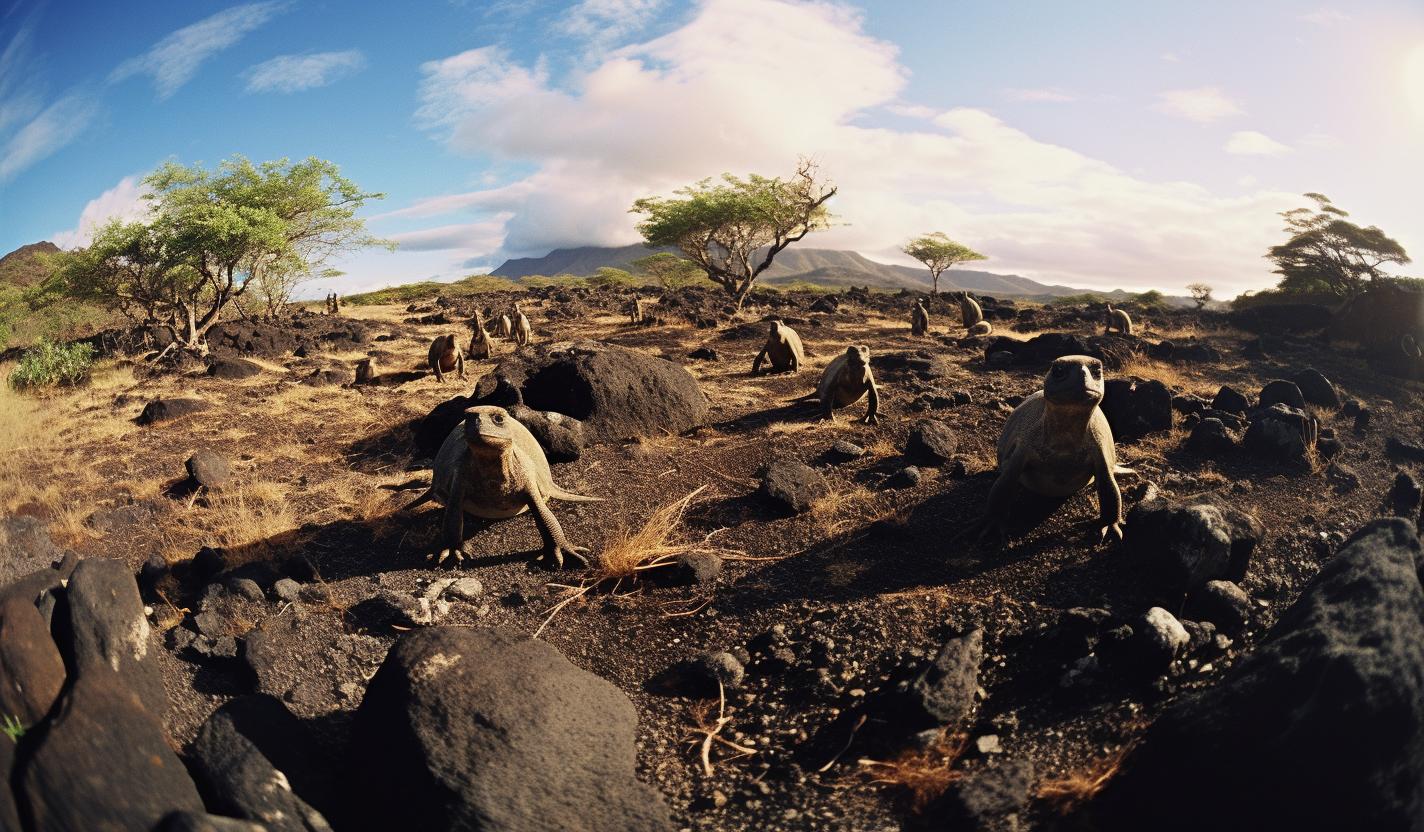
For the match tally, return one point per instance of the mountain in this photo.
(822, 266)
(22, 268)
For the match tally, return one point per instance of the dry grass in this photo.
(923, 774)
(628, 553)
(1176, 377)
(1066, 794)
(842, 507)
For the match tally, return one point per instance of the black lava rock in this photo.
(945, 692)
(166, 410)
(1282, 432)
(1316, 388)
(1230, 401)
(1210, 438)
(208, 469)
(1404, 495)
(1321, 727)
(793, 485)
(492, 730)
(933, 441)
(1135, 409)
(1281, 392)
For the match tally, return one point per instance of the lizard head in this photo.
(488, 428)
(1074, 380)
(857, 357)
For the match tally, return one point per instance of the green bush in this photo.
(1085, 299)
(47, 364)
(1151, 300)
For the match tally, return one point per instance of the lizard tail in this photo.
(557, 493)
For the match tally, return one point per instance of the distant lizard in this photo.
(783, 347)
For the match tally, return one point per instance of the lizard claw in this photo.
(871, 420)
(1113, 529)
(576, 551)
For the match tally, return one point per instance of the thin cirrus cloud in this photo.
(123, 201)
(1251, 143)
(294, 73)
(53, 128)
(1326, 17)
(1203, 105)
(174, 60)
(650, 117)
(602, 21)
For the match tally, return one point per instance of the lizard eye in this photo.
(498, 420)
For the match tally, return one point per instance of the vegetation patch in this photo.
(49, 364)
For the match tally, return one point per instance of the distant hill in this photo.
(822, 266)
(22, 268)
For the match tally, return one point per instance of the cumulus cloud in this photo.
(1251, 143)
(480, 235)
(1040, 95)
(56, 126)
(747, 86)
(1203, 105)
(123, 201)
(174, 60)
(294, 73)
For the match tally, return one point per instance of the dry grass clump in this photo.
(923, 774)
(1066, 794)
(626, 554)
(843, 507)
(1175, 377)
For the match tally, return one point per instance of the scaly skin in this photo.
(847, 380)
(783, 347)
(1055, 443)
(445, 355)
(491, 466)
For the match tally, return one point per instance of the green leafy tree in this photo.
(732, 230)
(611, 277)
(1328, 253)
(1201, 293)
(668, 269)
(214, 236)
(938, 253)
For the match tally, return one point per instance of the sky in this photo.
(1110, 144)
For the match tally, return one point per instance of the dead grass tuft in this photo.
(842, 507)
(1066, 794)
(923, 774)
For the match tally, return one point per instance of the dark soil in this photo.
(861, 590)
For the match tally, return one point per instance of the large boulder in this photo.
(103, 764)
(25, 548)
(1040, 349)
(1321, 727)
(1282, 432)
(256, 760)
(1282, 317)
(1185, 546)
(166, 410)
(616, 392)
(31, 670)
(492, 730)
(101, 629)
(1136, 408)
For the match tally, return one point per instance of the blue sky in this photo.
(1098, 144)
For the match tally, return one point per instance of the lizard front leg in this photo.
(452, 529)
(553, 533)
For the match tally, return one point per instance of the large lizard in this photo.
(1055, 443)
(492, 466)
(783, 347)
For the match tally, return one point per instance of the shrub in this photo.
(1151, 300)
(1085, 299)
(47, 364)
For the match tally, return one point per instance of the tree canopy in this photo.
(671, 271)
(733, 229)
(1328, 253)
(938, 253)
(1201, 293)
(213, 236)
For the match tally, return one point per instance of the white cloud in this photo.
(1203, 105)
(294, 73)
(1326, 17)
(175, 59)
(56, 126)
(1246, 181)
(652, 117)
(480, 235)
(1251, 143)
(605, 21)
(123, 201)
(1040, 95)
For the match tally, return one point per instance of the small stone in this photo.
(287, 590)
(468, 590)
(1283, 392)
(1230, 401)
(844, 451)
(1224, 604)
(1362, 420)
(1404, 495)
(704, 354)
(1161, 638)
(246, 588)
(315, 594)
(793, 485)
(698, 567)
(718, 666)
(906, 477)
(987, 744)
(209, 469)
(1343, 477)
(933, 441)
(208, 562)
(153, 570)
(1316, 388)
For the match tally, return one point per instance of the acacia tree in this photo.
(1328, 253)
(215, 235)
(733, 230)
(938, 253)
(668, 269)
(1201, 293)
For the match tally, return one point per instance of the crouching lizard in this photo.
(492, 466)
(1055, 443)
(783, 347)
(845, 381)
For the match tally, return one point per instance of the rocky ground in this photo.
(874, 673)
